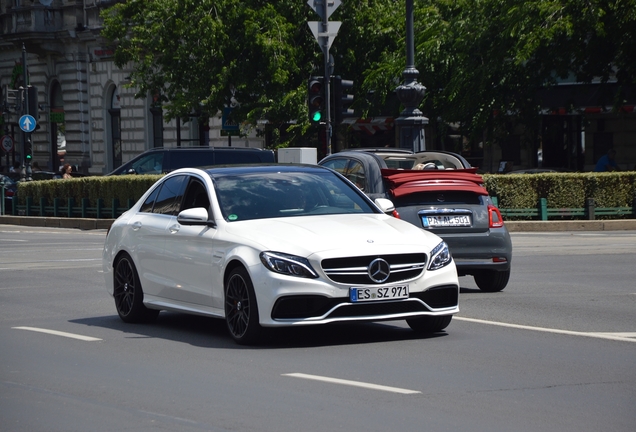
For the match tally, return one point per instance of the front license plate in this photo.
(446, 221)
(378, 293)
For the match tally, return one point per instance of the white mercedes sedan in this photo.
(275, 245)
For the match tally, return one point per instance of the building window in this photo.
(115, 128)
(157, 127)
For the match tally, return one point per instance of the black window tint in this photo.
(150, 201)
(238, 157)
(355, 173)
(196, 195)
(189, 159)
(149, 164)
(170, 196)
(339, 165)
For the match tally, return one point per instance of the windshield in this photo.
(264, 195)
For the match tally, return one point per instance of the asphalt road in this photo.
(554, 351)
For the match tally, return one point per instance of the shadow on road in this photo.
(211, 333)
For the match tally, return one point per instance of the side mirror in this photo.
(385, 205)
(194, 216)
(131, 171)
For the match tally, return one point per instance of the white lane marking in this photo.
(351, 383)
(621, 334)
(611, 336)
(59, 333)
(62, 260)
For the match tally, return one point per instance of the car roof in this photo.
(442, 157)
(202, 148)
(223, 170)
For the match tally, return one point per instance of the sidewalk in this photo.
(513, 226)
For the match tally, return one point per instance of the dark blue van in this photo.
(164, 160)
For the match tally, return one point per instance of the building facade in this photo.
(86, 114)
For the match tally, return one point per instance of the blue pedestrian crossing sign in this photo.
(27, 123)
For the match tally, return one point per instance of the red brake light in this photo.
(494, 217)
(395, 214)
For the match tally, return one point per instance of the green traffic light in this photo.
(28, 156)
(316, 116)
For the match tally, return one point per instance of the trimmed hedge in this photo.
(108, 188)
(513, 191)
(563, 190)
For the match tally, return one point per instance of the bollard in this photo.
(543, 209)
(589, 208)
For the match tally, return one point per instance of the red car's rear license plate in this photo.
(446, 221)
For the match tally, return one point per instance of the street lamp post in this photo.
(411, 122)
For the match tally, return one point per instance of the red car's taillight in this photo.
(395, 214)
(494, 217)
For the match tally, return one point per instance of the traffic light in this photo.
(342, 100)
(33, 102)
(28, 151)
(315, 99)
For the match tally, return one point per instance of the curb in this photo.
(513, 226)
(57, 222)
(574, 225)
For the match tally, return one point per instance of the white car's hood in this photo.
(307, 235)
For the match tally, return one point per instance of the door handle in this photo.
(174, 228)
(136, 226)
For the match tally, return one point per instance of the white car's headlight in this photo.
(440, 257)
(286, 264)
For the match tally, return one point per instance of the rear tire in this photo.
(492, 280)
(429, 324)
(241, 310)
(128, 294)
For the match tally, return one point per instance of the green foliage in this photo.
(195, 55)
(513, 191)
(481, 60)
(108, 188)
(562, 190)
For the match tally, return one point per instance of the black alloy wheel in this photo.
(128, 293)
(241, 310)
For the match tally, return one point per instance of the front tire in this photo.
(241, 310)
(492, 280)
(429, 324)
(128, 294)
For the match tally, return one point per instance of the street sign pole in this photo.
(325, 32)
(25, 171)
(326, 75)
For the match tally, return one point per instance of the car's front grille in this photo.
(314, 306)
(355, 270)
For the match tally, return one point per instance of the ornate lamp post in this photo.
(411, 122)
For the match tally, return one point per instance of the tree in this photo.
(482, 61)
(196, 54)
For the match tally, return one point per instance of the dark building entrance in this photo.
(562, 147)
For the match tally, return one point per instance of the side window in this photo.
(351, 169)
(225, 157)
(170, 196)
(196, 195)
(191, 158)
(151, 164)
(339, 165)
(150, 201)
(355, 173)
